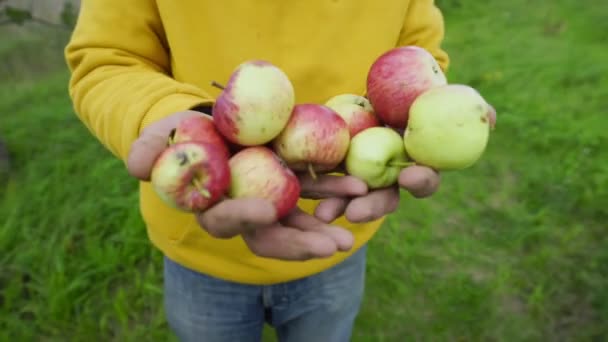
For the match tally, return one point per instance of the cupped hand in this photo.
(151, 143)
(298, 236)
(420, 181)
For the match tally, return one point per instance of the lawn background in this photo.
(513, 249)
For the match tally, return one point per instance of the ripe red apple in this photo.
(258, 172)
(255, 105)
(356, 110)
(201, 129)
(396, 78)
(316, 139)
(191, 176)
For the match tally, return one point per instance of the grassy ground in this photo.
(513, 249)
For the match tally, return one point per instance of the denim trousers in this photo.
(318, 308)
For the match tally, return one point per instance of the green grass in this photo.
(513, 249)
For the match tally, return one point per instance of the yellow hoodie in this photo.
(136, 61)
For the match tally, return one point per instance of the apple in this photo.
(191, 176)
(396, 78)
(199, 128)
(356, 110)
(257, 172)
(449, 127)
(316, 139)
(376, 156)
(255, 105)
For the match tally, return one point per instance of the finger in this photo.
(325, 186)
(303, 221)
(420, 181)
(152, 141)
(373, 206)
(144, 152)
(231, 217)
(331, 208)
(286, 243)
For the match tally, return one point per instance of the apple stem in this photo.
(205, 193)
(201, 189)
(217, 85)
(312, 172)
(401, 164)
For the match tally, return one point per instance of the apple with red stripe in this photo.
(257, 172)
(397, 78)
(191, 176)
(356, 110)
(315, 139)
(255, 105)
(199, 128)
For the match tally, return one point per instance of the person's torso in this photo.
(325, 46)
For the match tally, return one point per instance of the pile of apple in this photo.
(259, 137)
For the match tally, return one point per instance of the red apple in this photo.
(316, 139)
(191, 176)
(356, 110)
(257, 172)
(396, 78)
(201, 129)
(255, 104)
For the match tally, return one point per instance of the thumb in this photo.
(151, 143)
(144, 152)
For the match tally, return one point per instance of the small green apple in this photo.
(376, 155)
(448, 127)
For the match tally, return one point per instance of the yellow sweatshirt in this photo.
(136, 61)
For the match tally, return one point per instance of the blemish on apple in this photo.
(183, 158)
(435, 69)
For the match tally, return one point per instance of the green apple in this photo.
(449, 127)
(376, 155)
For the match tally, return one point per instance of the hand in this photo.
(298, 236)
(420, 181)
(151, 143)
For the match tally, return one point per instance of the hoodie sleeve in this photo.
(424, 26)
(120, 72)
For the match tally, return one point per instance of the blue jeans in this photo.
(322, 307)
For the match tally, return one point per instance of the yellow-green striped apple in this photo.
(316, 139)
(449, 127)
(376, 155)
(255, 104)
(397, 77)
(257, 172)
(191, 176)
(356, 110)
